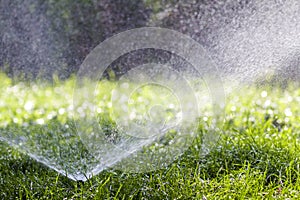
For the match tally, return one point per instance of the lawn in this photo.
(256, 156)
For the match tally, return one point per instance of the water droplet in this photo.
(288, 112)
(40, 121)
(264, 94)
(29, 105)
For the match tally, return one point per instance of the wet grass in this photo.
(256, 157)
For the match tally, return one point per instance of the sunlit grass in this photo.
(256, 157)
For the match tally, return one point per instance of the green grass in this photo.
(256, 157)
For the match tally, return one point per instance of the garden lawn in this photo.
(256, 157)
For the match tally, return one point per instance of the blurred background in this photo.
(40, 38)
(43, 38)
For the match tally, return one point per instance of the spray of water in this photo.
(262, 42)
(148, 117)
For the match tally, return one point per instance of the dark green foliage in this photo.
(41, 38)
